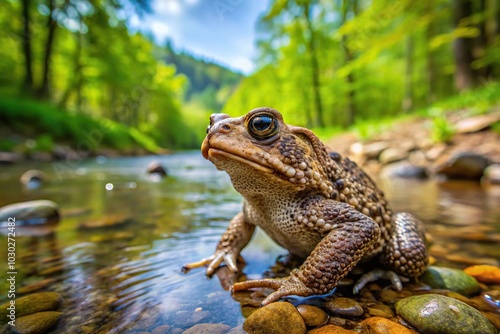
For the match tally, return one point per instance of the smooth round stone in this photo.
(155, 167)
(37, 302)
(31, 213)
(391, 155)
(453, 279)
(36, 323)
(331, 329)
(344, 307)
(33, 176)
(492, 175)
(464, 165)
(312, 315)
(436, 314)
(208, 329)
(484, 273)
(379, 325)
(278, 317)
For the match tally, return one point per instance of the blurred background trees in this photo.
(322, 63)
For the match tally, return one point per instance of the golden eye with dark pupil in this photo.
(263, 126)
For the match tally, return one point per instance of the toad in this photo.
(318, 205)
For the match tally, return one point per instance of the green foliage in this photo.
(442, 130)
(27, 117)
(44, 143)
(478, 101)
(376, 59)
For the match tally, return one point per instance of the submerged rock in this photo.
(32, 213)
(344, 307)
(453, 279)
(155, 167)
(36, 302)
(465, 165)
(109, 221)
(278, 317)
(436, 314)
(331, 329)
(36, 323)
(33, 177)
(378, 325)
(312, 315)
(208, 329)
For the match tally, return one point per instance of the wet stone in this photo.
(208, 329)
(33, 177)
(161, 329)
(36, 323)
(344, 307)
(378, 325)
(405, 170)
(37, 302)
(186, 319)
(433, 314)
(313, 316)
(391, 155)
(491, 175)
(484, 273)
(279, 317)
(465, 165)
(31, 213)
(453, 279)
(331, 329)
(381, 310)
(155, 167)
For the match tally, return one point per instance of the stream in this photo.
(123, 275)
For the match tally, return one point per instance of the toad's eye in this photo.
(263, 126)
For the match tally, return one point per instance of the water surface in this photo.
(128, 277)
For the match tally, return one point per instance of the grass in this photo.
(45, 125)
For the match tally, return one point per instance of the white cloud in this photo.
(167, 7)
(160, 29)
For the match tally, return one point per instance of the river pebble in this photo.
(436, 314)
(344, 307)
(37, 302)
(452, 279)
(464, 165)
(331, 329)
(313, 316)
(378, 325)
(279, 317)
(208, 329)
(484, 273)
(31, 213)
(36, 323)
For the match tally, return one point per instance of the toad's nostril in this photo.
(226, 127)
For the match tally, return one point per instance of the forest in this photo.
(324, 64)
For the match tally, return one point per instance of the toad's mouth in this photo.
(213, 154)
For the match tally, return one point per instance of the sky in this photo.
(219, 30)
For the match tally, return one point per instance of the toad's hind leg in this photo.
(404, 254)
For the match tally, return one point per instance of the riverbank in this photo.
(31, 130)
(460, 145)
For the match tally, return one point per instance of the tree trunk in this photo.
(316, 86)
(44, 91)
(26, 43)
(431, 71)
(407, 104)
(465, 76)
(349, 56)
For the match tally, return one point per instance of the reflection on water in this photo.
(126, 277)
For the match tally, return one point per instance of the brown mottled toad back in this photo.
(318, 205)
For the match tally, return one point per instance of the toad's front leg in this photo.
(350, 237)
(236, 237)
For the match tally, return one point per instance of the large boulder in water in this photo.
(30, 214)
